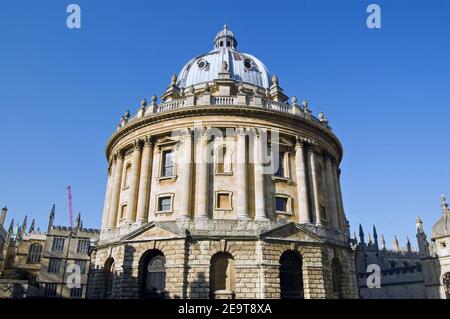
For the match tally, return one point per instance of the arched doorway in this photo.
(108, 277)
(153, 276)
(222, 276)
(291, 275)
(338, 278)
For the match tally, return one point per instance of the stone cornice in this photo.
(247, 111)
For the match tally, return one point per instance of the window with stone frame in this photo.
(34, 254)
(127, 177)
(164, 203)
(82, 265)
(223, 160)
(168, 163)
(223, 200)
(54, 265)
(123, 211)
(50, 289)
(76, 292)
(323, 212)
(58, 244)
(83, 246)
(280, 153)
(283, 204)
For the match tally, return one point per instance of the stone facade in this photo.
(223, 190)
(435, 254)
(26, 271)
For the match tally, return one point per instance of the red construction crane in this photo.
(69, 191)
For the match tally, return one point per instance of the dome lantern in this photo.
(225, 39)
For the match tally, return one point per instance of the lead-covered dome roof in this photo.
(242, 67)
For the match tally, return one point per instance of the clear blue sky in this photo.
(386, 93)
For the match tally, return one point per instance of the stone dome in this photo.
(243, 67)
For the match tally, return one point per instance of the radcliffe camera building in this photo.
(223, 189)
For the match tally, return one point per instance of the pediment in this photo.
(292, 232)
(281, 141)
(151, 231)
(166, 141)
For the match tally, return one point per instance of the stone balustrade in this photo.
(243, 101)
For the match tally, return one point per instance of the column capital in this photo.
(148, 141)
(119, 154)
(137, 144)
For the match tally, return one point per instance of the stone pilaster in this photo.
(302, 190)
(144, 180)
(331, 193)
(114, 209)
(260, 198)
(202, 183)
(337, 187)
(315, 184)
(185, 166)
(134, 182)
(241, 173)
(109, 187)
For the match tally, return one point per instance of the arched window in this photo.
(291, 275)
(153, 271)
(338, 278)
(34, 254)
(223, 160)
(222, 276)
(108, 277)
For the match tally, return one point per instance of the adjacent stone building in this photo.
(224, 189)
(435, 254)
(401, 269)
(38, 264)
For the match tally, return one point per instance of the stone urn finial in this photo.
(275, 80)
(154, 98)
(241, 88)
(174, 79)
(294, 101)
(305, 103)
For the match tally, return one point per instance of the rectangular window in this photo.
(123, 211)
(82, 264)
(223, 201)
(50, 290)
(281, 204)
(54, 265)
(76, 292)
(168, 168)
(323, 212)
(165, 204)
(58, 244)
(83, 246)
(281, 171)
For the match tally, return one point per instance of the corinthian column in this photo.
(315, 185)
(241, 173)
(302, 191)
(185, 167)
(340, 205)
(144, 180)
(134, 182)
(108, 195)
(114, 209)
(331, 193)
(260, 199)
(202, 183)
